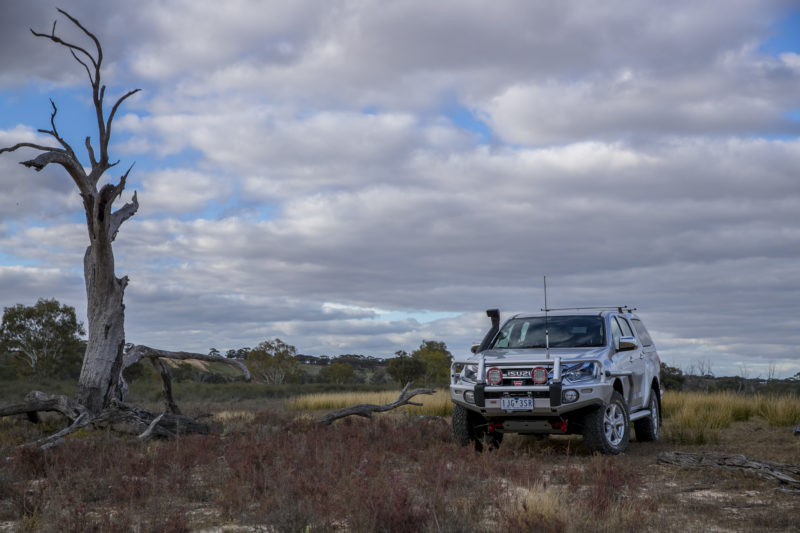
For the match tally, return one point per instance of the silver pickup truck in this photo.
(589, 371)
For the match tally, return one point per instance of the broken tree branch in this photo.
(166, 386)
(138, 352)
(57, 438)
(148, 433)
(135, 354)
(786, 474)
(366, 409)
(37, 401)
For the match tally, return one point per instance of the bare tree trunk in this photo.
(102, 363)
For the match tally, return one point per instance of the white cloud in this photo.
(303, 171)
(177, 191)
(728, 97)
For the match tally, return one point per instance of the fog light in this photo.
(469, 396)
(494, 376)
(570, 395)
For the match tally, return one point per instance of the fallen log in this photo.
(38, 401)
(786, 474)
(366, 409)
(118, 415)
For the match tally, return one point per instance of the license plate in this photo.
(517, 403)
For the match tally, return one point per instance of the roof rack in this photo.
(620, 308)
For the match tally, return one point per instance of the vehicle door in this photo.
(637, 365)
(628, 361)
(650, 359)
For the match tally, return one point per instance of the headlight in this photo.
(469, 373)
(580, 372)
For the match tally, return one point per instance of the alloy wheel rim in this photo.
(654, 415)
(614, 424)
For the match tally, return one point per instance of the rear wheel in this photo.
(470, 427)
(649, 428)
(607, 429)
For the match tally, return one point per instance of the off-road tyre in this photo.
(649, 429)
(607, 429)
(470, 427)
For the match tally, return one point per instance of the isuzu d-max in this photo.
(590, 371)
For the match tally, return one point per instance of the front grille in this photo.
(521, 376)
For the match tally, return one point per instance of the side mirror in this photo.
(627, 343)
(474, 347)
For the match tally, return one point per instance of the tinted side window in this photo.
(642, 331)
(626, 328)
(616, 332)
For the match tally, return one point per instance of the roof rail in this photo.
(620, 308)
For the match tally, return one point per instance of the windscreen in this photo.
(565, 332)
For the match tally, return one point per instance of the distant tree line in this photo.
(703, 380)
(276, 362)
(46, 340)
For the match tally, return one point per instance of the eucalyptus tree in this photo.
(44, 337)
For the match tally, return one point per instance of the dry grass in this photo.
(697, 417)
(273, 469)
(780, 410)
(438, 404)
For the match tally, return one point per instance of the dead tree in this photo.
(99, 379)
(100, 386)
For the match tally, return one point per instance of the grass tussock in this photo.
(779, 410)
(438, 404)
(603, 495)
(697, 417)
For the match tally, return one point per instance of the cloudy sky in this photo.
(357, 176)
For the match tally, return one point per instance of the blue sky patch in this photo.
(785, 36)
(466, 119)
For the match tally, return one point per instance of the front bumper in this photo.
(554, 398)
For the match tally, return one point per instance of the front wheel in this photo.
(607, 429)
(470, 427)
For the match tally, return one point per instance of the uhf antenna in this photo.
(546, 322)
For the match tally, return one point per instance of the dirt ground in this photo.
(704, 498)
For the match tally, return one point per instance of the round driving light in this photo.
(539, 375)
(570, 395)
(494, 376)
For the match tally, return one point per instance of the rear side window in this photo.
(626, 328)
(642, 332)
